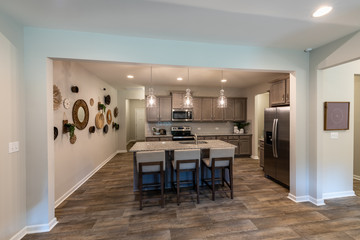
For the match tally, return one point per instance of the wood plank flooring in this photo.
(105, 207)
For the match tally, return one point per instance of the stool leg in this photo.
(162, 177)
(197, 182)
(140, 188)
(172, 177)
(213, 180)
(222, 176)
(231, 181)
(178, 185)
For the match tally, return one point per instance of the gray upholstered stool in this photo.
(219, 158)
(186, 161)
(151, 162)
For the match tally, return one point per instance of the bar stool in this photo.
(186, 161)
(151, 162)
(219, 158)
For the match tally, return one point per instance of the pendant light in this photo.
(151, 98)
(222, 100)
(188, 100)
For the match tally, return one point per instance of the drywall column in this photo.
(357, 127)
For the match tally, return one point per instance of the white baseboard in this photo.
(306, 198)
(254, 157)
(35, 229)
(20, 234)
(338, 194)
(82, 181)
(356, 177)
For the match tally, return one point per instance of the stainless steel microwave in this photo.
(182, 115)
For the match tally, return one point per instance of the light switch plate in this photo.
(334, 135)
(13, 147)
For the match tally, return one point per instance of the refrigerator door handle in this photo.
(275, 138)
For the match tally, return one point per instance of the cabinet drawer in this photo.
(224, 138)
(210, 138)
(233, 137)
(245, 137)
(152, 139)
(165, 139)
(261, 144)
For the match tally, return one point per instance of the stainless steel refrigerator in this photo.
(277, 144)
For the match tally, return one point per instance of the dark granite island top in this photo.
(169, 147)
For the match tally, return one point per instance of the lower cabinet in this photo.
(261, 152)
(156, 139)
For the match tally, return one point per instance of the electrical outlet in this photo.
(334, 135)
(13, 147)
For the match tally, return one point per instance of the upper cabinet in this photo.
(206, 109)
(177, 100)
(162, 111)
(197, 109)
(280, 93)
(240, 108)
(218, 113)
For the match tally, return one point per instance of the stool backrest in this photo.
(150, 156)
(219, 153)
(187, 155)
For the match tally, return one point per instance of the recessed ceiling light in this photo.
(179, 79)
(223, 80)
(322, 11)
(130, 76)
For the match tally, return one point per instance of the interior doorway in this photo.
(139, 124)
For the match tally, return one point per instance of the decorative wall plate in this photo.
(107, 100)
(99, 120)
(116, 111)
(108, 117)
(80, 114)
(91, 102)
(57, 99)
(66, 103)
(106, 128)
(56, 132)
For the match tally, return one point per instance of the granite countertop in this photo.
(205, 134)
(167, 135)
(176, 145)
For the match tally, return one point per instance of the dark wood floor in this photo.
(105, 207)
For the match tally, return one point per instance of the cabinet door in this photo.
(277, 93)
(222, 138)
(240, 109)
(165, 139)
(229, 111)
(196, 109)
(165, 109)
(206, 109)
(177, 99)
(236, 143)
(152, 139)
(287, 92)
(261, 153)
(152, 113)
(218, 113)
(245, 145)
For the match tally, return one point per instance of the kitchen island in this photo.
(169, 147)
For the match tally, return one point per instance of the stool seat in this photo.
(151, 162)
(186, 161)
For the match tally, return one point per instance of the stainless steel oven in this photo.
(182, 115)
(181, 133)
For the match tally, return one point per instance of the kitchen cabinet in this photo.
(196, 109)
(280, 93)
(217, 113)
(245, 145)
(156, 139)
(165, 109)
(177, 99)
(240, 108)
(229, 110)
(162, 111)
(261, 152)
(206, 109)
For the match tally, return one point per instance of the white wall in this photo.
(89, 150)
(357, 127)
(12, 121)
(132, 106)
(43, 43)
(320, 165)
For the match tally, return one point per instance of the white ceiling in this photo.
(275, 23)
(164, 75)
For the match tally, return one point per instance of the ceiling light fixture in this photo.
(222, 100)
(151, 98)
(188, 100)
(223, 80)
(179, 79)
(130, 76)
(322, 11)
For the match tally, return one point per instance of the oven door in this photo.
(182, 138)
(181, 115)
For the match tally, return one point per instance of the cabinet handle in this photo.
(287, 97)
(282, 99)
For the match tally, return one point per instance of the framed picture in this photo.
(336, 116)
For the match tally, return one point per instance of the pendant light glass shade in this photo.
(188, 100)
(222, 100)
(151, 99)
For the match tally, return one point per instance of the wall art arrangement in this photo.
(336, 116)
(81, 114)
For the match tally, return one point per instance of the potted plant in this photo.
(71, 129)
(101, 107)
(241, 126)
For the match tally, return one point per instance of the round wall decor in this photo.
(108, 117)
(107, 100)
(99, 120)
(116, 111)
(80, 114)
(66, 103)
(91, 102)
(56, 132)
(106, 128)
(57, 99)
